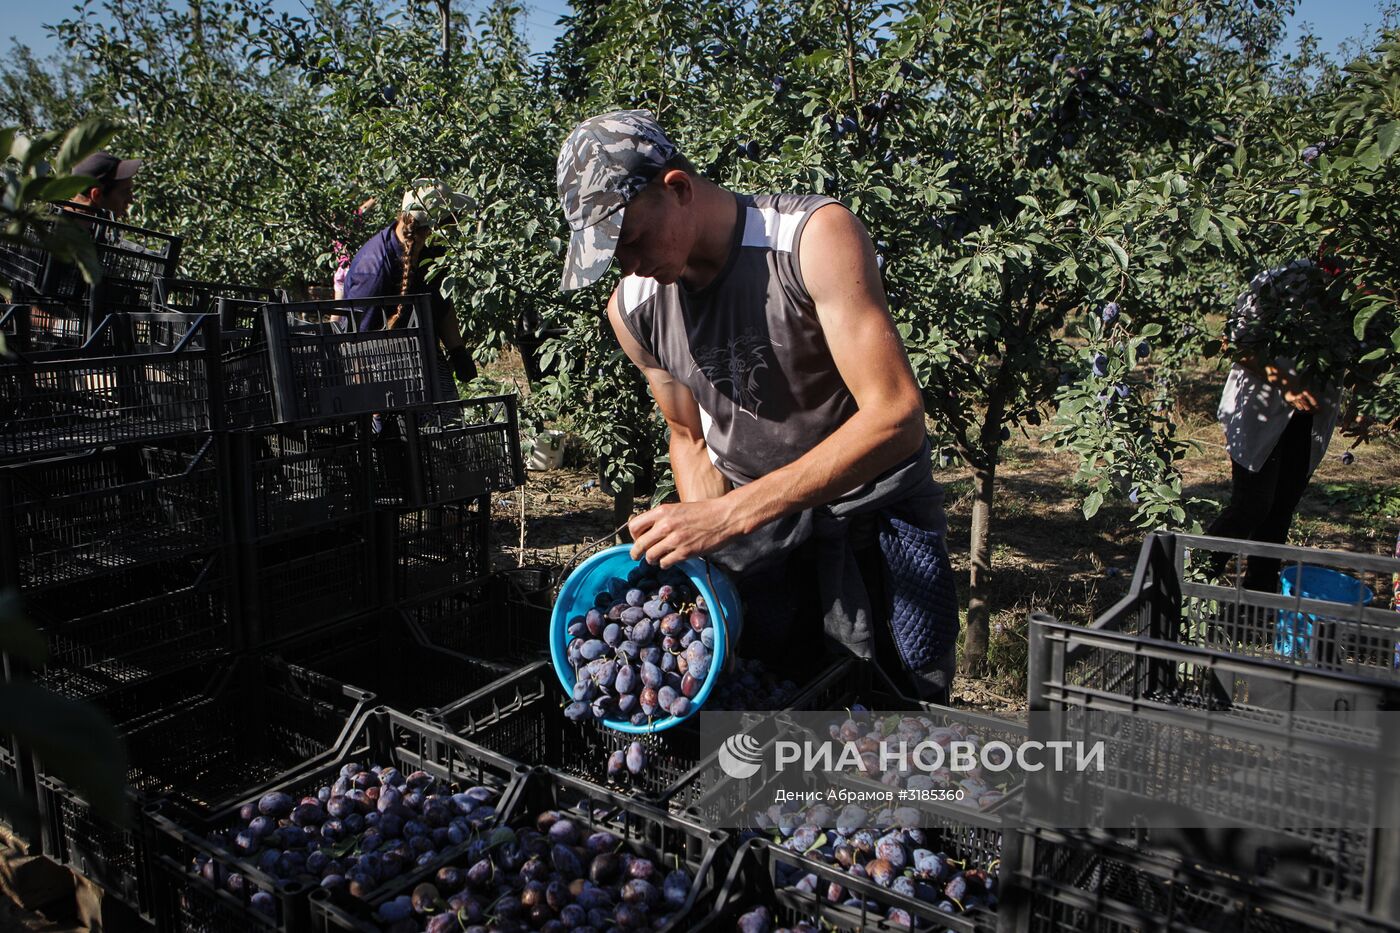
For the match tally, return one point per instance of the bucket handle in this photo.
(582, 550)
(731, 649)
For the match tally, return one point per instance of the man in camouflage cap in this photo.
(796, 426)
(603, 165)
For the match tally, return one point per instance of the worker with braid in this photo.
(394, 260)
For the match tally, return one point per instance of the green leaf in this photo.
(64, 187)
(1092, 503)
(1388, 138)
(1200, 220)
(83, 140)
(75, 741)
(1118, 252)
(72, 243)
(1363, 319)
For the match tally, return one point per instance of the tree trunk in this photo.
(979, 607)
(445, 13)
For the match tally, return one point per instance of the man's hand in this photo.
(669, 534)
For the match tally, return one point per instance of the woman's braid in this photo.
(407, 278)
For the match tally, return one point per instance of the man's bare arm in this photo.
(839, 268)
(696, 477)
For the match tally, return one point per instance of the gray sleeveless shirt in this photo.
(748, 345)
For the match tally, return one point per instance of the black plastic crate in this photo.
(53, 403)
(70, 520)
(970, 837)
(95, 846)
(448, 452)
(197, 744)
(439, 548)
(753, 880)
(295, 583)
(1089, 883)
(706, 793)
(329, 369)
(1122, 683)
(498, 617)
(186, 900)
(22, 265)
(642, 831)
(528, 597)
(523, 717)
(390, 657)
(188, 623)
(226, 300)
(1191, 589)
(39, 328)
(870, 687)
(131, 258)
(288, 479)
(258, 718)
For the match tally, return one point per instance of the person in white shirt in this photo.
(1278, 420)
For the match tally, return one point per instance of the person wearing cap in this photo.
(797, 436)
(392, 262)
(115, 183)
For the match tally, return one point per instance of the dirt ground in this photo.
(1046, 556)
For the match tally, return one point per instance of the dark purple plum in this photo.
(563, 831)
(605, 868)
(758, 920)
(565, 862)
(276, 804)
(676, 888)
(636, 758)
(263, 903)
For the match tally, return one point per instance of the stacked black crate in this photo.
(306, 390)
(436, 469)
(114, 535)
(335, 436)
(131, 257)
(1248, 738)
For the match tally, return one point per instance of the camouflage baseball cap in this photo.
(605, 161)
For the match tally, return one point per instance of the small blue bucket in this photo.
(1293, 634)
(597, 574)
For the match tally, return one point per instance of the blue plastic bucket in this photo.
(1293, 634)
(598, 573)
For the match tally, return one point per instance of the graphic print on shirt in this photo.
(737, 365)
